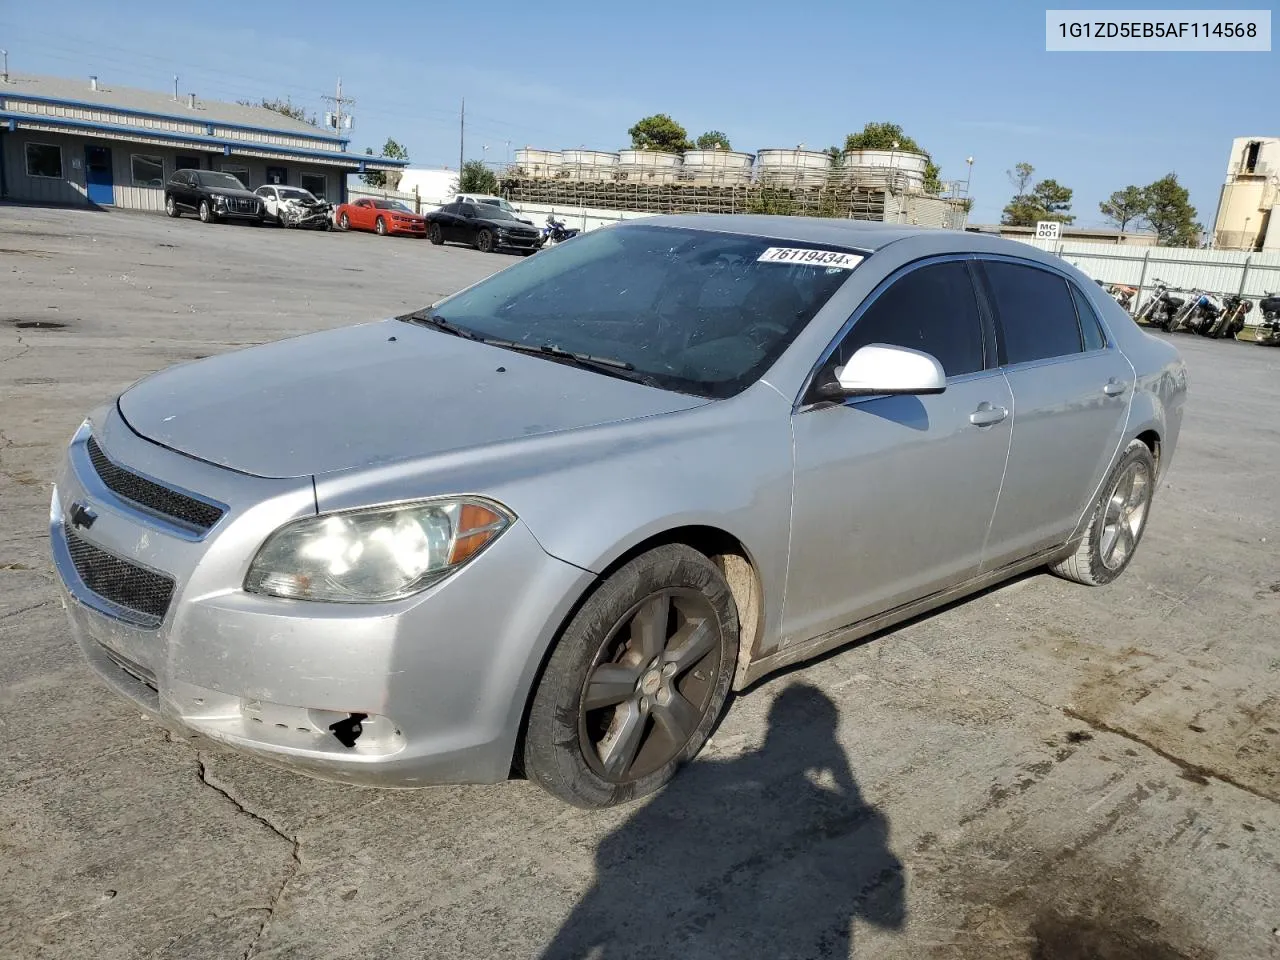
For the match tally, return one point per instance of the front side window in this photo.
(44, 160)
(688, 310)
(1035, 312)
(147, 171)
(933, 309)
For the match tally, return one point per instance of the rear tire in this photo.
(434, 234)
(655, 647)
(171, 207)
(1118, 522)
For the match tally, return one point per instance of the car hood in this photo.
(232, 192)
(371, 394)
(516, 225)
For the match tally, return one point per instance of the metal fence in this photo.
(1221, 272)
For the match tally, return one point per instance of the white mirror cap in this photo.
(880, 368)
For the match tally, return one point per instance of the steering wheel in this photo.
(762, 331)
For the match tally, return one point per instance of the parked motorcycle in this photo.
(1191, 305)
(1205, 314)
(1231, 321)
(556, 232)
(1268, 332)
(1123, 295)
(1161, 307)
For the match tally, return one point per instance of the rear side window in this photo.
(933, 309)
(1037, 316)
(1090, 327)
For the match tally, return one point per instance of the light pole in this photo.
(969, 178)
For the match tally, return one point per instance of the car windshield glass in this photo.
(391, 205)
(491, 212)
(295, 195)
(694, 311)
(213, 178)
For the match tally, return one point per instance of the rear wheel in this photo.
(171, 207)
(380, 227)
(484, 241)
(434, 234)
(1118, 522)
(636, 682)
(344, 222)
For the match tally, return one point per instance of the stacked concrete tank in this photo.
(539, 164)
(793, 167)
(588, 164)
(648, 166)
(717, 167)
(893, 170)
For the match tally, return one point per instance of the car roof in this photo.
(858, 234)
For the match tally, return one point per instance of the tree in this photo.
(477, 178)
(1047, 200)
(1125, 207)
(712, 140)
(890, 136)
(392, 151)
(1169, 211)
(659, 132)
(285, 107)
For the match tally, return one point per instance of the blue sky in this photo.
(964, 79)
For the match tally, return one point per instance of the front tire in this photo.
(171, 207)
(1118, 522)
(484, 241)
(636, 682)
(206, 212)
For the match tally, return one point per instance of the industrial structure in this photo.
(96, 144)
(880, 185)
(1246, 219)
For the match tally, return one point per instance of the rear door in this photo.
(1071, 391)
(893, 496)
(448, 221)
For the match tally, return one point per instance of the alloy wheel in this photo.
(650, 685)
(1124, 515)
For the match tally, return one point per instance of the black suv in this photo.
(211, 195)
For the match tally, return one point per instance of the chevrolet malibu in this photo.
(548, 524)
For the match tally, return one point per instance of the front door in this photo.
(893, 496)
(99, 183)
(1071, 392)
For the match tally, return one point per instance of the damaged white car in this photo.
(295, 207)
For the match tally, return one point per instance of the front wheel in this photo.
(171, 207)
(206, 212)
(484, 241)
(636, 682)
(380, 227)
(1118, 522)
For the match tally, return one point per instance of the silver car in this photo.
(550, 522)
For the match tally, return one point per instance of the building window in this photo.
(147, 171)
(239, 171)
(317, 184)
(44, 160)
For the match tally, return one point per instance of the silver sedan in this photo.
(549, 523)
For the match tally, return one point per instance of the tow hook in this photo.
(348, 731)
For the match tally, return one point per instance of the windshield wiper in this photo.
(609, 365)
(429, 319)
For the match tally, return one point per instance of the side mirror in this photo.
(879, 369)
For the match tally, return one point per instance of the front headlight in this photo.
(382, 553)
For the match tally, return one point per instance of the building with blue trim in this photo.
(98, 144)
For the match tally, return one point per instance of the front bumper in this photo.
(415, 227)
(440, 678)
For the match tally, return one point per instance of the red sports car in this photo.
(381, 216)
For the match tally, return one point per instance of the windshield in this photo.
(304, 195)
(491, 212)
(499, 203)
(693, 311)
(213, 178)
(391, 205)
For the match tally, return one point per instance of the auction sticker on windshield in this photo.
(816, 258)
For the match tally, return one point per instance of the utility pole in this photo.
(462, 138)
(338, 100)
(4, 78)
(175, 88)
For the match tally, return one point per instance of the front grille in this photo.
(136, 589)
(152, 496)
(242, 205)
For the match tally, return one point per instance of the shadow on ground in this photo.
(670, 883)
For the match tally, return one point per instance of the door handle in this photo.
(986, 415)
(1114, 388)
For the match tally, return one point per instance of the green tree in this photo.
(890, 136)
(1169, 211)
(659, 132)
(477, 178)
(1125, 207)
(392, 151)
(285, 107)
(1047, 200)
(713, 139)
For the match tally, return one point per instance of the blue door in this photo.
(97, 175)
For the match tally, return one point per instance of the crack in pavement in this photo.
(295, 845)
(26, 348)
(1186, 766)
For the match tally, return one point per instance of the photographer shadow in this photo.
(773, 854)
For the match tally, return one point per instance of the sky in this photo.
(963, 79)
